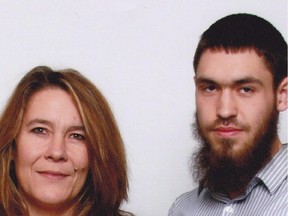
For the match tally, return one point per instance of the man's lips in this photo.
(227, 131)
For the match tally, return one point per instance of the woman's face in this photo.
(51, 158)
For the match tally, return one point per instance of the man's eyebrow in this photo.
(239, 81)
(205, 80)
(248, 80)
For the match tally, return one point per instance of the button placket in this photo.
(228, 210)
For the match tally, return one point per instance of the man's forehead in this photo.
(216, 65)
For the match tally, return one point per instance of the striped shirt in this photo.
(266, 195)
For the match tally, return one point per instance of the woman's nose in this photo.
(56, 150)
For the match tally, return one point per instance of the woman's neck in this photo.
(50, 211)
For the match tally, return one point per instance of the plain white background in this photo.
(139, 54)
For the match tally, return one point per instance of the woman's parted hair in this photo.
(107, 182)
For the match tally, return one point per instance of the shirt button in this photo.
(229, 209)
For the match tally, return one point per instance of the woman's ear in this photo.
(282, 95)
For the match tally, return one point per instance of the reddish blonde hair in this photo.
(107, 183)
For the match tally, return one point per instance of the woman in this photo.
(60, 149)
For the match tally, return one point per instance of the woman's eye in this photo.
(77, 136)
(39, 130)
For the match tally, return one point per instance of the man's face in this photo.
(234, 101)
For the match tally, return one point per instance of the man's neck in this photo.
(234, 194)
(276, 147)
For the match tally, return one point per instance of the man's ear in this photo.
(282, 95)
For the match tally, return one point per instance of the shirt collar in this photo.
(275, 171)
(273, 174)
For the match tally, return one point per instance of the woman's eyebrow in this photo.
(46, 122)
(39, 121)
(77, 127)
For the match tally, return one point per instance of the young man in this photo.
(241, 86)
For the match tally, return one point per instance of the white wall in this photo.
(139, 53)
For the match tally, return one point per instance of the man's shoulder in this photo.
(184, 202)
(187, 196)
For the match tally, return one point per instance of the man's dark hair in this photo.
(238, 32)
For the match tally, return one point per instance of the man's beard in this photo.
(222, 173)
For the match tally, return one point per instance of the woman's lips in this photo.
(53, 175)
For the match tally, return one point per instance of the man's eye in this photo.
(246, 90)
(210, 88)
(77, 136)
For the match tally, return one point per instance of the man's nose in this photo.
(226, 105)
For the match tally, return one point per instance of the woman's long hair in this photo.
(106, 186)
